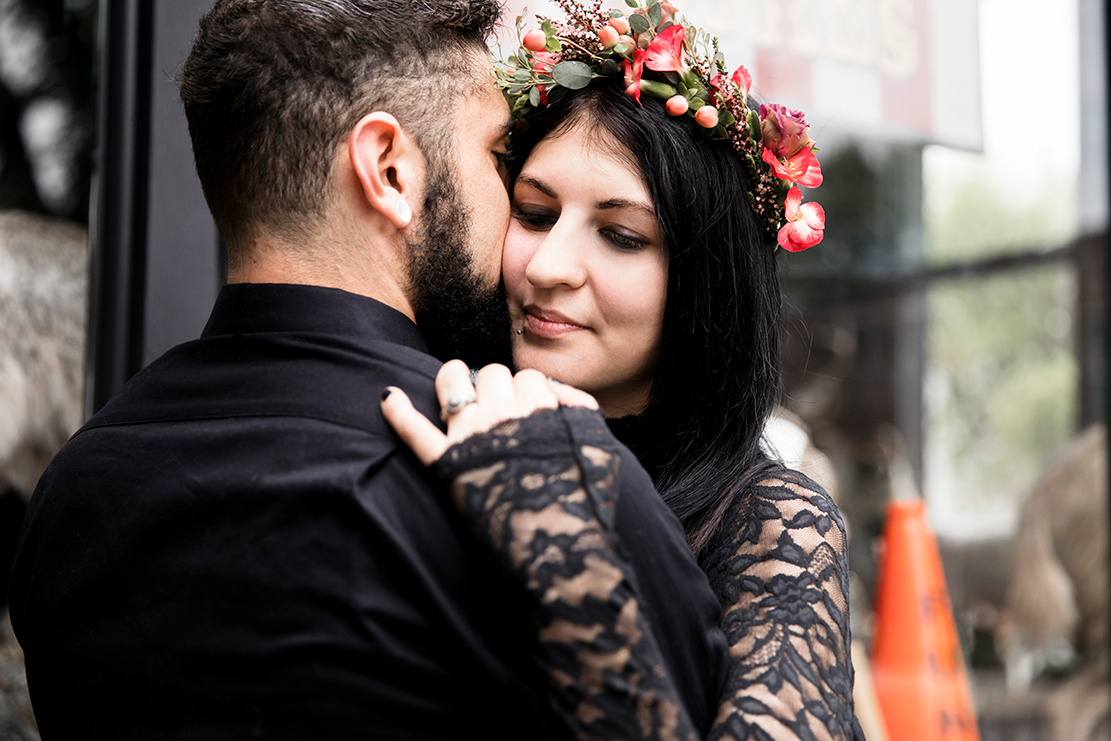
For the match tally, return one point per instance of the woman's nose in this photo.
(558, 260)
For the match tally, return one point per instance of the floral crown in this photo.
(662, 56)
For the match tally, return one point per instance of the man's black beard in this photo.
(458, 316)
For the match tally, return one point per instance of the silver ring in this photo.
(456, 402)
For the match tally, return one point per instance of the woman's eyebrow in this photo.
(624, 203)
(538, 185)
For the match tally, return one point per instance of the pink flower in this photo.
(803, 168)
(784, 130)
(665, 53)
(806, 223)
(669, 11)
(633, 73)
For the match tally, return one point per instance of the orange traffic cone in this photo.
(916, 660)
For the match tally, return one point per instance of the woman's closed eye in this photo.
(535, 219)
(623, 240)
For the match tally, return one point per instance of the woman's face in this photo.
(585, 270)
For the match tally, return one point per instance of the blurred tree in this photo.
(47, 102)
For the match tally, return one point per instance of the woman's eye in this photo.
(624, 241)
(535, 220)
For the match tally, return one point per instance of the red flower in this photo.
(806, 223)
(665, 53)
(633, 73)
(543, 62)
(743, 80)
(803, 168)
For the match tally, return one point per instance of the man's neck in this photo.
(323, 266)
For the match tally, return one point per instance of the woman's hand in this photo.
(498, 396)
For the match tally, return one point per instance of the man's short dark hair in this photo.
(272, 87)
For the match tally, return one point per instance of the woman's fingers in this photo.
(569, 396)
(494, 384)
(496, 396)
(533, 392)
(414, 429)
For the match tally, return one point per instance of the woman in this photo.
(639, 270)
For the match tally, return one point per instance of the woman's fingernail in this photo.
(386, 393)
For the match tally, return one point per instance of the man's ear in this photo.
(388, 165)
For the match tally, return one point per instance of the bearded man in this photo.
(237, 545)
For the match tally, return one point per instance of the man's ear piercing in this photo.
(404, 213)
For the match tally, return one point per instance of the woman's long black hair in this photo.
(718, 374)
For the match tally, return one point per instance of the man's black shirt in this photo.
(238, 546)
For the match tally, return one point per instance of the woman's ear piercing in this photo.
(404, 213)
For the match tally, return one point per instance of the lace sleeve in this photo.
(541, 493)
(778, 565)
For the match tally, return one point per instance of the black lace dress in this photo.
(540, 492)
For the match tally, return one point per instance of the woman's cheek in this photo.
(515, 256)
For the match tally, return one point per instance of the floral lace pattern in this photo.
(540, 492)
(778, 566)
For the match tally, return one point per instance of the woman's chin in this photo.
(551, 363)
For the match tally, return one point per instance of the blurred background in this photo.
(947, 340)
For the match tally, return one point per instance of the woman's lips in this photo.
(548, 324)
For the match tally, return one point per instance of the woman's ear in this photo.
(388, 166)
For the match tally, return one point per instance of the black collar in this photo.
(250, 308)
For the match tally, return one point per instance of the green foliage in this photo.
(572, 75)
(1003, 391)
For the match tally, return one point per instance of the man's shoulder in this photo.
(330, 379)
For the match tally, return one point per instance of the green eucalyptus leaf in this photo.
(546, 27)
(639, 23)
(615, 13)
(610, 68)
(622, 49)
(522, 75)
(534, 96)
(697, 103)
(572, 75)
(673, 78)
(557, 93)
(631, 3)
(553, 44)
(665, 26)
(655, 14)
(720, 132)
(727, 119)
